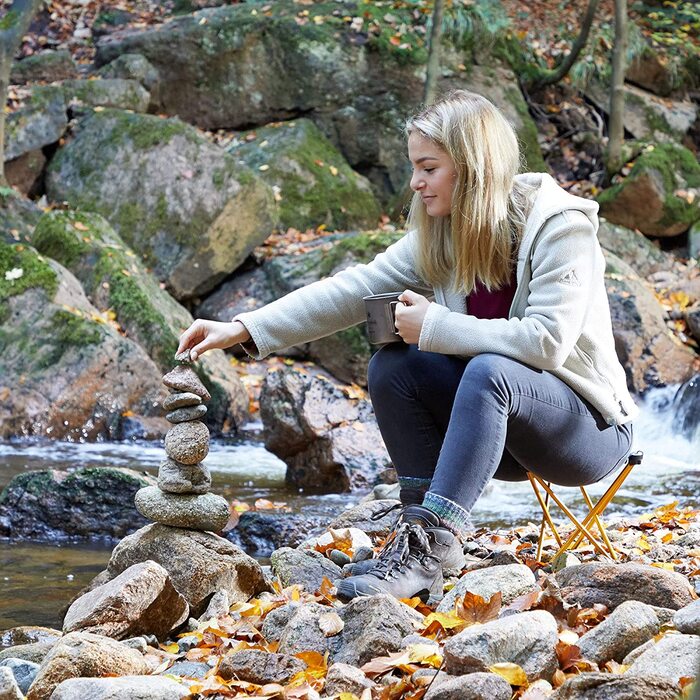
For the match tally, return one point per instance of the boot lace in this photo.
(409, 540)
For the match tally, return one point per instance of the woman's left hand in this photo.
(410, 315)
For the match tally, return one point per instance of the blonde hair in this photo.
(478, 241)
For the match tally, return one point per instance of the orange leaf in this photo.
(473, 608)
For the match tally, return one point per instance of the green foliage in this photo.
(68, 330)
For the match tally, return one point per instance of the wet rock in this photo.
(188, 669)
(140, 600)
(261, 667)
(23, 671)
(612, 584)
(99, 499)
(512, 580)
(673, 656)
(199, 512)
(187, 443)
(199, 563)
(183, 478)
(186, 414)
(9, 690)
(473, 686)
(180, 400)
(610, 686)
(527, 639)
(80, 655)
(184, 379)
(344, 678)
(124, 688)
(27, 634)
(306, 568)
(630, 625)
(687, 619)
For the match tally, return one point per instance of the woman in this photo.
(508, 363)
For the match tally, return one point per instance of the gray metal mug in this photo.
(381, 318)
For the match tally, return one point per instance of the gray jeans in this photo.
(451, 425)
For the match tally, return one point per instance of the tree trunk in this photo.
(555, 75)
(432, 71)
(13, 26)
(616, 129)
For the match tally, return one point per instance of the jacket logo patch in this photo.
(569, 277)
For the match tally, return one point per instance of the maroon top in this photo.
(484, 304)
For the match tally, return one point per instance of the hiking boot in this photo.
(411, 562)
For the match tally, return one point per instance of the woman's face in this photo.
(434, 174)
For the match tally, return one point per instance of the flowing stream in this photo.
(38, 579)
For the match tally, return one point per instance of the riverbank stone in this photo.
(302, 632)
(188, 669)
(35, 653)
(181, 415)
(613, 584)
(612, 686)
(187, 443)
(184, 379)
(23, 671)
(344, 678)
(527, 639)
(123, 688)
(306, 568)
(140, 600)
(258, 666)
(207, 511)
(183, 478)
(673, 656)
(180, 400)
(473, 686)
(28, 634)
(9, 690)
(80, 655)
(687, 619)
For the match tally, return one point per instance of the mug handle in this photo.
(392, 311)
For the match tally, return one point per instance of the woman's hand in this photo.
(410, 315)
(207, 335)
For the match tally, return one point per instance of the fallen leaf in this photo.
(513, 673)
(330, 624)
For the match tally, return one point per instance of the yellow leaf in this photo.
(333, 169)
(80, 226)
(447, 621)
(513, 673)
(663, 565)
(643, 544)
(424, 654)
(170, 648)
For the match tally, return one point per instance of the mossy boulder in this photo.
(661, 194)
(635, 249)
(47, 66)
(100, 501)
(119, 93)
(65, 371)
(134, 66)
(18, 216)
(41, 121)
(189, 209)
(24, 173)
(117, 283)
(312, 181)
(344, 354)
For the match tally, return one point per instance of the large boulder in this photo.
(64, 370)
(47, 66)
(312, 181)
(190, 210)
(18, 217)
(612, 686)
(635, 249)
(123, 688)
(134, 66)
(329, 442)
(119, 93)
(118, 283)
(100, 501)
(659, 197)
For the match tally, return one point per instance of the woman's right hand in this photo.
(208, 335)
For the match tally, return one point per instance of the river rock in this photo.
(28, 634)
(199, 563)
(9, 690)
(183, 478)
(219, 606)
(277, 619)
(374, 626)
(611, 686)
(184, 379)
(205, 511)
(512, 580)
(107, 92)
(181, 400)
(35, 652)
(674, 656)
(527, 639)
(612, 584)
(344, 678)
(187, 443)
(634, 248)
(188, 669)
(303, 632)
(189, 209)
(23, 671)
(473, 686)
(140, 600)
(258, 666)
(329, 442)
(631, 624)
(186, 414)
(99, 499)
(687, 619)
(124, 688)
(306, 568)
(80, 655)
(362, 517)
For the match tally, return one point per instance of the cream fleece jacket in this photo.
(559, 320)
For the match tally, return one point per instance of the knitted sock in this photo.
(413, 489)
(454, 517)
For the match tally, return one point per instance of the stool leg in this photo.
(598, 522)
(545, 515)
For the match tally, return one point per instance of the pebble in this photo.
(184, 357)
(206, 512)
(181, 415)
(184, 378)
(181, 399)
(187, 443)
(183, 478)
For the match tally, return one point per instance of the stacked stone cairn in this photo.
(182, 497)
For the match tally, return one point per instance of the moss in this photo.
(57, 237)
(9, 20)
(361, 247)
(527, 134)
(68, 330)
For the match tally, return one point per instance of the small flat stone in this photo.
(188, 669)
(206, 512)
(184, 378)
(182, 415)
(184, 357)
(183, 478)
(181, 399)
(187, 443)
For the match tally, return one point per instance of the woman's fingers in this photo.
(190, 336)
